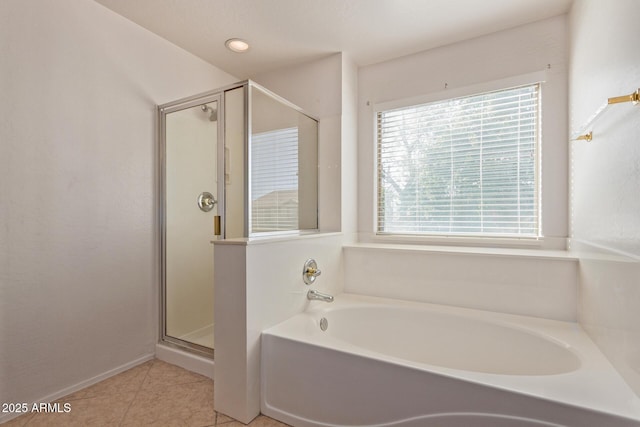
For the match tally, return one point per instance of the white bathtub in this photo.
(385, 363)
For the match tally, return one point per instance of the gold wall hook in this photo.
(586, 137)
(634, 97)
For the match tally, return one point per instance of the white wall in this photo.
(259, 284)
(504, 54)
(349, 149)
(605, 207)
(525, 282)
(78, 282)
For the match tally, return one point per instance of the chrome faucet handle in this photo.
(314, 272)
(310, 271)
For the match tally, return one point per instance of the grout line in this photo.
(124, 416)
(165, 386)
(136, 394)
(28, 419)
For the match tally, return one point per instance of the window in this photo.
(462, 166)
(274, 180)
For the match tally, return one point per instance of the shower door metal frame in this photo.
(188, 102)
(162, 111)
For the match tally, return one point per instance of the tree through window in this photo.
(462, 166)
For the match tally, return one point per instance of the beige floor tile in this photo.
(260, 421)
(105, 410)
(155, 393)
(222, 418)
(164, 374)
(128, 381)
(189, 404)
(19, 421)
(264, 421)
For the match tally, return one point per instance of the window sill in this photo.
(552, 254)
(555, 246)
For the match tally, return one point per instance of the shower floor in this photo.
(202, 336)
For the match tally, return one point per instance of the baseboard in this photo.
(82, 384)
(191, 362)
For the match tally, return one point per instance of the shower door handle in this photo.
(216, 225)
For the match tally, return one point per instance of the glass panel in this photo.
(284, 166)
(190, 171)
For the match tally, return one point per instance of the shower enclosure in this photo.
(235, 162)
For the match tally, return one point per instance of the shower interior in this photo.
(189, 154)
(211, 111)
(235, 162)
(202, 333)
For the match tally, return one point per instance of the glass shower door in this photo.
(191, 211)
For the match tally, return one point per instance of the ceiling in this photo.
(287, 32)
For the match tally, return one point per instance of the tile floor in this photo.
(154, 393)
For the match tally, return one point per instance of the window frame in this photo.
(462, 239)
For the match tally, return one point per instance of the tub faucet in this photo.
(315, 295)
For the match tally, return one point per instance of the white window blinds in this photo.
(463, 166)
(274, 180)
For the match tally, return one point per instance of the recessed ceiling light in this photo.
(237, 45)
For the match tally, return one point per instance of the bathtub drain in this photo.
(324, 323)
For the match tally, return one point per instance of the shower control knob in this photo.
(310, 271)
(206, 201)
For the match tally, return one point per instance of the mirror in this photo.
(283, 159)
